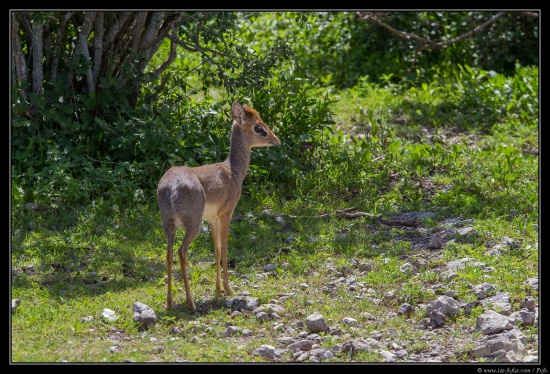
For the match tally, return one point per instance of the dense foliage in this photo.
(72, 144)
(340, 48)
(77, 141)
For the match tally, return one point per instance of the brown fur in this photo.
(188, 195)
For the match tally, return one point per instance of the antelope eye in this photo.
(260, 130)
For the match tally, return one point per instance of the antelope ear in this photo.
(238, 113)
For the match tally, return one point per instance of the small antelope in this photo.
(187, 195)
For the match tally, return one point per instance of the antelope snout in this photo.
(275, 141)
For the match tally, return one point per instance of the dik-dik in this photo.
(187, 195)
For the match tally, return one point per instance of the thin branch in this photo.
(17, 51)
(98, 45)
(160, 87)
(161, 35)
(197, 29)
(47, 50)
(169, 60)
(117, 22)
(83, 41)
(138, 29)
(528, 14)
(187, 46)
(349, 213)
(119, 46)
(57, 47)
(429, 43)
(25, 23)
(167, 25)
(206, 53)
(117, 25)
(123, 53)
(475, 30)
(149, 35)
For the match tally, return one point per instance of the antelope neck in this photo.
(239, 154)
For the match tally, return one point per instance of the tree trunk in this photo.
(18, 57)
(37, 56)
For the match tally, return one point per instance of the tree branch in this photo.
(349, 213)
(527, 14)
(160, 87)
(161, 35)
(168, 24)
(206, 53)
(98, 46)
(83, 41)
(117, 25)
(119, 46)
(429, 43)
(57, 47)
(426, 43)
(197, 47)
(138, 29)
(37, 56)
(17, 52)
(174, 38)
(47, 51)
(169, 60)
(25, 23)
(149, 36)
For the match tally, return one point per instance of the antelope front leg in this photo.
(214, 226)
(224, 233)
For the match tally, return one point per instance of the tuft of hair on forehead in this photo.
(248, 113)
(250, 110)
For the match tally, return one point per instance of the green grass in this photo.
(69, 263)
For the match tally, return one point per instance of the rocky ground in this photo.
(498, 334)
